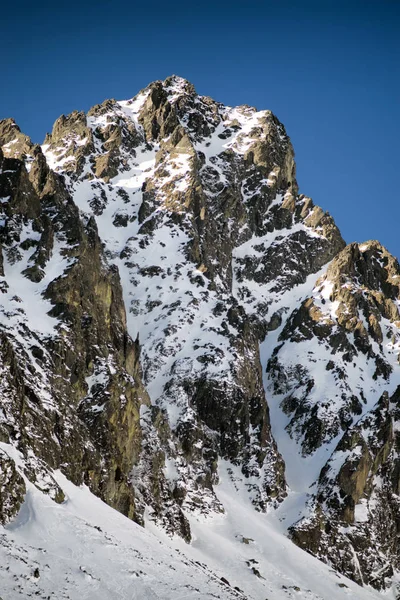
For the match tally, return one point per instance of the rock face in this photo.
(355, 510)
(349, 329)
(12, 489)
(169, 300)
(71, 388)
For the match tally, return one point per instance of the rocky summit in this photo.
(189, 339)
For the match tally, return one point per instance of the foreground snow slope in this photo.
(83, 549)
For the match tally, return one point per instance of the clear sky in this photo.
(329, 70)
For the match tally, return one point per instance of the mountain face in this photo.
(170, 304)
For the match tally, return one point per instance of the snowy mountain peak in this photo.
(177, 86)
(188, 336)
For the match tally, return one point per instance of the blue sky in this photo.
(329, 70)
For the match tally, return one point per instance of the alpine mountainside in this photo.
(172, 309)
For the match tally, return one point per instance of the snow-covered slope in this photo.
(189, 337)
(84, 549)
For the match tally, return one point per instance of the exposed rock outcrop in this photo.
(356, 510)
(71, 386)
